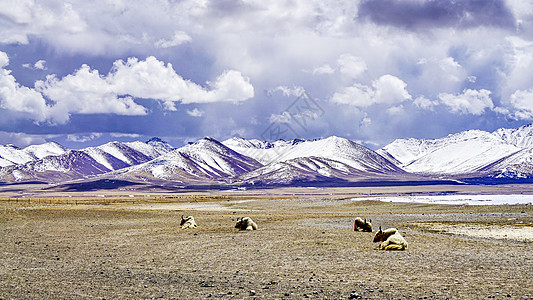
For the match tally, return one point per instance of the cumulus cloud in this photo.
(195, 112)
(295, 91)
(350, 65)
(323, 69)
(395, 110)
(25, 18)
(86, 91)
(284, 117)
(38, 65)
(473, 102)
(22, 139)
(425, 103)
(435, 47)
(19, 98)
(387, 89)
(77, 138)
(121, 134)
(521, 103)
(178, 38)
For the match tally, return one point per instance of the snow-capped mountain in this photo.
(12, 155)
(470, 154)
(116, 155)
(460, 153)
(303, 169)
(161, 146)
(262, 151)
(341, 150)
(521, 137)
(207, 159)
(55, 168)
(516, 165)
(333, 148)
(52, 162)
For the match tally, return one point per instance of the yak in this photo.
(188, 222)
(362, 225)
(245, 223)
(390, 239)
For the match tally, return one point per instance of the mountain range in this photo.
(504, 153)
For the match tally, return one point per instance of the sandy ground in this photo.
(124, 248)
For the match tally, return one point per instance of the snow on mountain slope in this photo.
(44, 150)
(262, 151)
(116, 155)
(344, 151)
(12, 155)
(332, 148)
(516, 165)
(105, 159)
(521, 137)
(71, 165)
(303, 169)
(460, 153)
(205, 159)
(125, 153)
(161, 146)
(50, 159)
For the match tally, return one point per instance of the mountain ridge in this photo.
(504, 153)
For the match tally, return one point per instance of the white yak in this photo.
(246, 223)
(390, 239)
(188, 222)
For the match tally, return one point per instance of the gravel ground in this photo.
(304, 248)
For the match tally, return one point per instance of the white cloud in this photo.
(26, 17)
(23, 139)
(352, 66)
(366, 121)
(40, 64)
(178, 38)
(284, 117)
(425, 103)
(521, 103)
(323, 69)
(395, 110)
(152, 79)
(295, 91)
(128, 135)
(387, 89)
(83, 138)
(469, 102)
(195, 112)
(86, 91)
(19, 98)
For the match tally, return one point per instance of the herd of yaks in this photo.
(389, 239)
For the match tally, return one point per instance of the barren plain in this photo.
(128, 245)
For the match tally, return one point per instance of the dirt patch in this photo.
(304, 248)
(519, 232)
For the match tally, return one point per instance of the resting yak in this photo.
(246, 223)
(390, 239)
(362, 225)
(188, 222)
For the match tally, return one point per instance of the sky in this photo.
(83, 73)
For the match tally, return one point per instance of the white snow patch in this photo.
(457, 199)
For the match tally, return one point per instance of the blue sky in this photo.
(85, 73)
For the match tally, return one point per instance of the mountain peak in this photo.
(155, 140)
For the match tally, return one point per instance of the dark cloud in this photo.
(421, 15)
